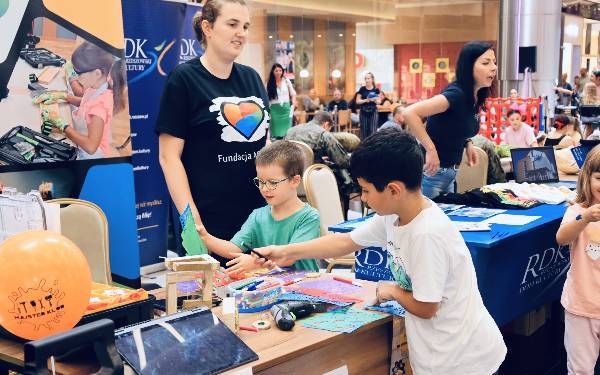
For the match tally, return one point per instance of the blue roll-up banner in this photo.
(157, 38)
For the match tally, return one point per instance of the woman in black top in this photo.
(213, 119)
(453, 117)
(368, 99)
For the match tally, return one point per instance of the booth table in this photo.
(518, 267)
(302, 350)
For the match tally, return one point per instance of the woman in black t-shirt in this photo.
(213, 119)
(453, 118)
(368, 98)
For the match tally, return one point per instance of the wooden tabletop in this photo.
(273, 346)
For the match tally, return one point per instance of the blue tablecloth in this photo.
(518, 268)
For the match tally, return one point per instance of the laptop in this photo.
(534, 165)
(189, 342)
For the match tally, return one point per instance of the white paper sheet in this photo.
(508, 219)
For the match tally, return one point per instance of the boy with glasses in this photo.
(284, 220)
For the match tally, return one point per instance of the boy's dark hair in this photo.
(285, 154)
(389, 155)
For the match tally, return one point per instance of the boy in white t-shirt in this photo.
(518, 134)
(448, 328)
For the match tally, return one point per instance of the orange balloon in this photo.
(44, 285)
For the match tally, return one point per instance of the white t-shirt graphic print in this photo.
(462, 338)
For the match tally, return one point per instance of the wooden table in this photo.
(303, 350)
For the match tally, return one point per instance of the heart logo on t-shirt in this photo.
(244, 117)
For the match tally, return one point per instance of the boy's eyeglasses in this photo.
(270, 184)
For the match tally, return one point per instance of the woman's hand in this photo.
(432, 162)
(472, 156)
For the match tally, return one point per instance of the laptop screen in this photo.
(534, 164)
(191, 342)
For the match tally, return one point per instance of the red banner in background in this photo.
(493, 118)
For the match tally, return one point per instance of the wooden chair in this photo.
(343, 119)
(473, 177)
(322, 193)
(309, 159)
(85, 224)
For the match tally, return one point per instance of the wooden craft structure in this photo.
(187, 269)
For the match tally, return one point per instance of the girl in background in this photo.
(580, 228)
(367, 99)
(103, 81)
(281, 96)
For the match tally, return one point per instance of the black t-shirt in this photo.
(224, 124)
(450, 130)
(341, 105)
(367, 94)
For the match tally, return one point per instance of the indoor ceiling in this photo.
(368, 10)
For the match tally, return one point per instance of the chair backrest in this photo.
(85, 224)
(322, 193)
(343, 117)
(309, 159)
(473, 177)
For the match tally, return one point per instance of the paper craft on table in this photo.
(390, 307)
(341, 320)
(475, 212)
(447, 207)
(468, 226)
(508, 219)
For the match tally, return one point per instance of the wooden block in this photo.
(48, 74)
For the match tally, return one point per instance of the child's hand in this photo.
(202, 232)
(592, 214)
(50, 97)
(242, 263)
(385, 291)
(275, 254)
(54, 120)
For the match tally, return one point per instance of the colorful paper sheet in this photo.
(288, 274)
(475, 212)
(325, 294)
(341, 320)
(390, 307)
(330, 285)
(192, 243)
(304, 297)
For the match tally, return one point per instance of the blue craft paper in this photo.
(390, 307)
(341, 320)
